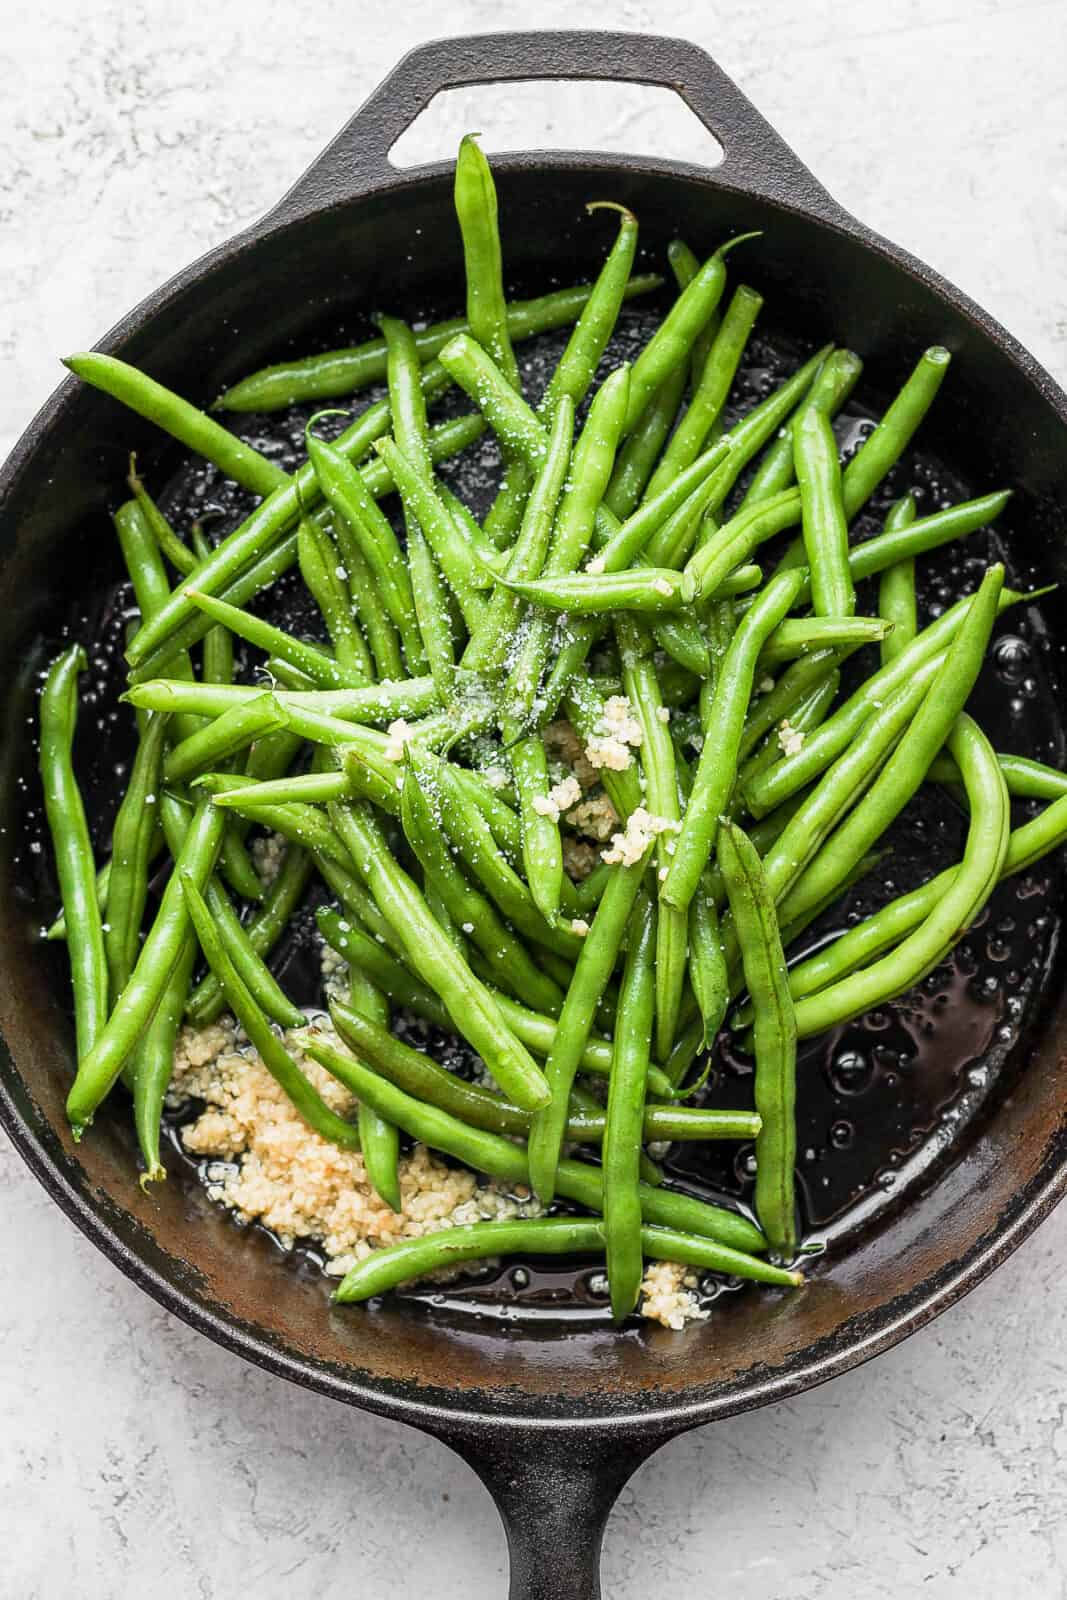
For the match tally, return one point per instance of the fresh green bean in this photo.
(500, 1158)
(476, 209)
(825, 528)
(834, 382)
(131, 841)
(577, 365)
(494, 636)
(639, 455)
(319, 559)
(896, 591)
(102, 1063)
(792, 773)
(715, 772)
(473, 1010)
(661, 794)
(673, 339)
(591, 974)
(193, 428)
(311, 659)
(775, 1034)
(341, 372)
(177, 553)
(73, 850)
(625, 1114)
(799, 636)
(709, 397)
(927, 944)
(263, 931)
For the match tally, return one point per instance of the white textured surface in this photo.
(135, 1458)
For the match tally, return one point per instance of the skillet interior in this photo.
(994, 426)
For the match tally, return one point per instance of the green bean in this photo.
(151, 589)
(591, 974)
(661, 515)
(646, 589)
(1029, 780)
(892, 435)
(373, 618)
(73, 849)
(775, 1034)
(825, 528)
(585, 709)
(831, 387)
(493, 638)
(707, 963)
(360, 526)
(661, 794)
(685, 264)
(500, 1158)
(386, 1268)
(131, 841)
(886, 927)
(311, 788)
(641, 451)
(431, 610)
(896, 591)
(625, 1113)
(263, 930)
(380, 702)
(342, 372)
(800, 636)
(101, 1065)
(254, 973)
(505, 956)
(277, 1060)
(716, 770)
(844, 783)
(450, 548)
(673, 339)
(956, 906)
(319, 559)
(473, 838)
(57, 929)
(709, 397)
(590, 470)
(473, 1010)
(420, 1076)
(409, 1259)
(177, 553)
(798, 681)
(234, 730)
(325, 669)
(266, 526)
(908, 765)
(198, 432)
(153, 1061)
(789, 775)
(379, 1139)
(475, 201)
(577, 365)
(534, 1029)
(884, 447)
(542, 846)
(303, 824)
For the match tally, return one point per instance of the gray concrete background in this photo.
(135, 1458)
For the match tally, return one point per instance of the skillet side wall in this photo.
(993, 424)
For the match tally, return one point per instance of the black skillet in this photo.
(554, 1421)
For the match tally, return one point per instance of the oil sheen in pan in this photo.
(883, 1101)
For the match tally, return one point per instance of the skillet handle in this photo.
(554, 1492)
(756, 160)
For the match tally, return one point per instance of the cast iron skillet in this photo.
(553, 1423)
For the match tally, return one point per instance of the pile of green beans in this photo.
(627, 560)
